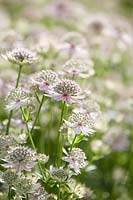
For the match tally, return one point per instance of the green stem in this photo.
(59, 144)
(19, 73)
(9, 193)
(37, 115)
(59, 192)
(73, 142)
(37, 98)
(27, 196)
(32, 143)
(11, 112)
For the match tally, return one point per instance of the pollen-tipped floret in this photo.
(20, 56)
(17, 98)
(20, 158)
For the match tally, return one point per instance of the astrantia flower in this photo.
(81, 123)
(76, 159)
(79, 190)
(83, 69)
(88, 106)
(59, 174)
(45, 79)
(17, 98)
(65, 90)
(10, 177)
(26, 184)
(6, 141)
(73, 44)
(20, 56)
(20, 158)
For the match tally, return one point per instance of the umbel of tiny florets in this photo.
(81, 123)
(83, 69)
(59, 174)
(17, 98)
(10, 177)
(45, 79)
(6, 142)
(66, 90)
(26, 185)
(76, 159)
(20, 158)
(20, 56)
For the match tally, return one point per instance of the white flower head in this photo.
(45, 80)
(76, 159)
(79, 67)
(80, 123)
(20, 158)
(17, 98)
(66, 90)
(20, 56)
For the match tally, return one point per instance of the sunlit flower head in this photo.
(80, 123)
(66, 90)
(79, 190)
(73, 44)
(79, 67)
(20, 158)
(59, 174)
(6, 142)
(45, 79)
(26, 184)
(76, 159)
(17, 98)
(117, 139)
(10, 176)
(20, 56)
(88, 106)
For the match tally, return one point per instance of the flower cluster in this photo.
(20, 158)
(17, 98)
(76, 159)
(81, 123)
(66, 90)
(20, 56)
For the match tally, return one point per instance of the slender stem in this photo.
(37, 98)
(11, 112)
(37, 115)
(9, 193)
(73, 142)
(27, 196)
(32, 142)
(19, 73)
(59, 192)
(59, 144)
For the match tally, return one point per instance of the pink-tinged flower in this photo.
(73, 45)
(45, 80)
(117, 139)
(17, 98)
(65, 90)
(76, 159)
(20, 56)
(80, 123)
(88, 106)
(20, 158)
(79, 67)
